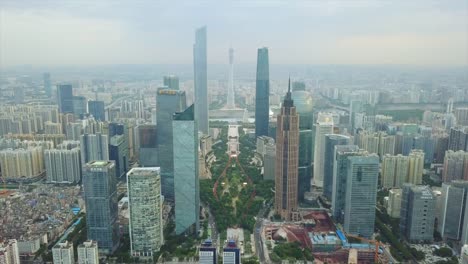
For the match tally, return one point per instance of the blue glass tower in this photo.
(65, 98)
(96, 108)
(262, 93)
(201, 83)
(100, 190)
(186, 184)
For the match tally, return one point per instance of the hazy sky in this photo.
(422, 32)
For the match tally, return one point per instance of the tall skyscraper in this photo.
(96, 109)
(80, 106)
(453, 219)
(118, 152)
(262, 93)
(304, 107)
(287, 159)
(47, 84)
(458, 139)
(171, 81)
(62, 253)
(94, 147)
(361, 194)
(201, 83)
(100, 189)
(65, 98)
(145, 207)
(88, 252)
(63, 165)
(331, 140)
(186, 183)
(417, 213)
(230, 94)
(147, 138)
(208, 253)
(340, 174)
(168, 102)
(323, 127)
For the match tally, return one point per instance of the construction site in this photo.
(317, 233)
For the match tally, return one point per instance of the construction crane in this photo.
(375, 242)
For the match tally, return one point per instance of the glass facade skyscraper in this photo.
(361, 194)
(303, 102)
(200, 79)
(65, 98)
(147, 139)
(186, 183)
(100, 188)
(262, 93)
(168, 102)
(340, 173)
(171, 82)
(96, 108)
(331, 141)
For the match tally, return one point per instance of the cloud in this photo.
(308, 32)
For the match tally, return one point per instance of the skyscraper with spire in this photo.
(262, 93)
(201, 83)
(287, 160)
(230, 95)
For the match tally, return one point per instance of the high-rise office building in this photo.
(269, 161)
(63, 165)
(230, 104)
(331, 140)
(231, 253)
(9, 253)
(304, 107)
(394, 170)
(200, 80)
(145, 207)
(168, 102)
(340, 174)
(207, 253)
(94, 147)
(118, 152)
(417, 213)
(47, 84)
(97, 110)
(323, 127)
(453, 218)
(455, 166)
(287, 159)
(416, 166)
(88, 252)
(65, 98)
(80, 106)
(171, 82)
(361, 194)
(262, 93)
(186, 184)
(63, 253)
(147, 145)
(100, 189)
